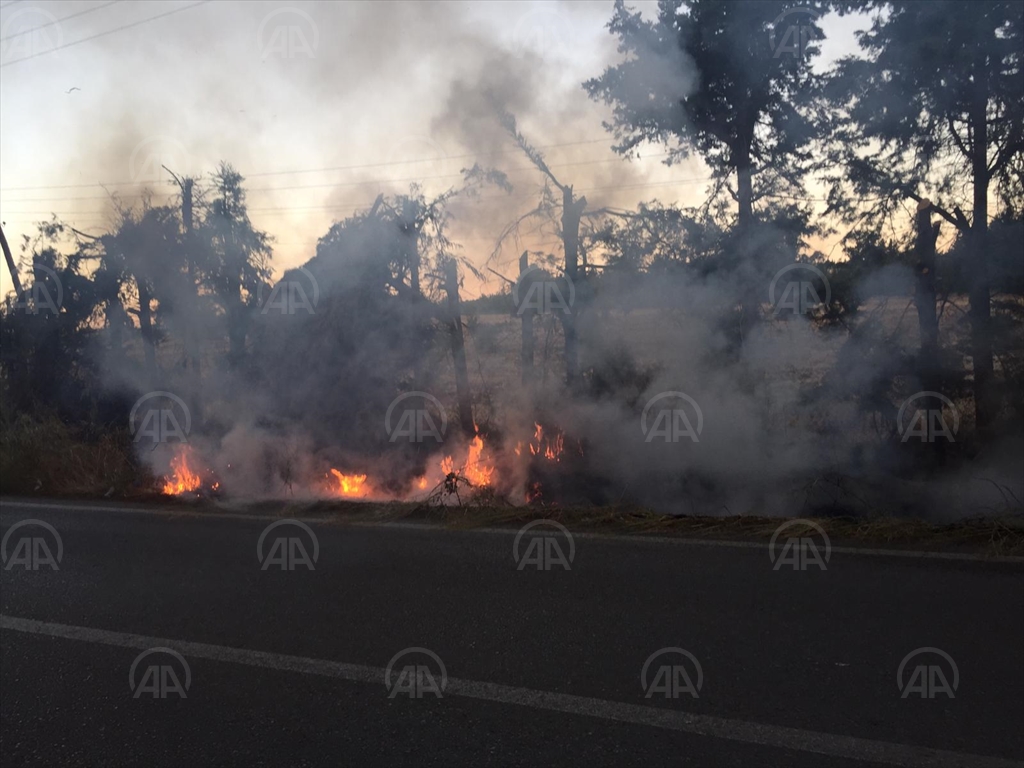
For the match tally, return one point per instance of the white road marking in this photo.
(630, 538)
(775, 736)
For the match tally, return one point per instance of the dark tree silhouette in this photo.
(239, 257)
(720, 79)
(936, 98)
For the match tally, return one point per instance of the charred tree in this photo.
(146, 326)
(572, 211)
(451, 286)
(526, 316)
(924, 295)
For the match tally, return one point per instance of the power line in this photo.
(318, 170)
(367, 182)
(58, 21)
(104, 34)
(348, 206)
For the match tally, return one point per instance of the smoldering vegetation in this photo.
(693, 360)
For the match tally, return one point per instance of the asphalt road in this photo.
(542, 664)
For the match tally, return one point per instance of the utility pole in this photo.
(18, 290)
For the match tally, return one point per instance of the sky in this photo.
(320, 105)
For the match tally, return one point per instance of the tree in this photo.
(935, 100)
(239, 257)
(571, 208)
(141, 254)
(720, 79)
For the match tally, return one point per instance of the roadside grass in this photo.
(42, 455)
(992, 535)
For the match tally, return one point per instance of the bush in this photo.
(42, 454)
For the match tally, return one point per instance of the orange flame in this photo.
(184, 480)
(475, 470)
(353, 486)
(550, 449)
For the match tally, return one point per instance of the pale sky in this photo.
(319, 105)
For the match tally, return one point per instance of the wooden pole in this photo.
(526, 315)
(18, 290)
(924, 295)
(451, 285)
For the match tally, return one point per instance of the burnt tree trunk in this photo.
(748, 268)
(146, 327)
(192, 340)
(924, 296)
(572, 211)
(526, 316)
(980, 298)
(192, 353)
(451, 286)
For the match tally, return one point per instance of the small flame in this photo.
(533, 492)
(474, 470)
(350, 485)
(550, 449)
(183, 480)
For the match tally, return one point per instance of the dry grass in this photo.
(42, 455)
(1001, 535)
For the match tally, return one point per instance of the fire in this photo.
(350, 485)
(184, 480)
(550, 449)
(533, 493)
(475, 470)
